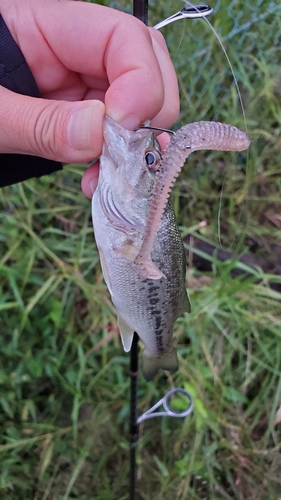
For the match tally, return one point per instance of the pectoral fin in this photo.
(126, 333)
(128, 251)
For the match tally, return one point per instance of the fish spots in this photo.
(159, 341)
(153, 295)
(159, 333)
(160, 329)
(158, 322)
(153, 301)
(155, 308)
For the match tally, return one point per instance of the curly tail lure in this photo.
(192, 137)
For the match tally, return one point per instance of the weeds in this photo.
(63, 374)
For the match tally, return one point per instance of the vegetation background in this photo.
(64, 378)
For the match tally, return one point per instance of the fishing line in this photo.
(158, 129)
(201, 11)
(198, 7)
(246, 129)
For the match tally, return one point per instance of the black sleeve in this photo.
(15, 75)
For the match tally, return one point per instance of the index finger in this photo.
(108, 45)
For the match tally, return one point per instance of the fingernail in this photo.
(84, 128)
(131, 122)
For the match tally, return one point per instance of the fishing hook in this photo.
(192, 12)
(168, 410)
(171, 132)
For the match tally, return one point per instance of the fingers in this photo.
(89, 180)
(146, 91)
(63, 131)
(116, 52)
(95, 53)
(170, 109)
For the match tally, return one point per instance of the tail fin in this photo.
(151, 364)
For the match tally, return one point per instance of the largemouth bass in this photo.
(139, 243)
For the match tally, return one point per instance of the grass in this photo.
(64, 378)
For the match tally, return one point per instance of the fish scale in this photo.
(140, 246)
(149, 307)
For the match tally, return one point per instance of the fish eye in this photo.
(152, 159)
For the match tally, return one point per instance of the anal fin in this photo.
(126, 332)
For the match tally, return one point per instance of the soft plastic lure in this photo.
(192, 137)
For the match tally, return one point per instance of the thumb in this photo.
(58, 130)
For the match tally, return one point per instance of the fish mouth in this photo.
(127, 137)
(126, 151)
(126, 178)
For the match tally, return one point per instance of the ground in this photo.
(64, 378)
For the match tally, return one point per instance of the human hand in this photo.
(87, 60)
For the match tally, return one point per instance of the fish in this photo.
(141, 250)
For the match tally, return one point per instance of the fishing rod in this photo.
(140, 11)
(168, 411)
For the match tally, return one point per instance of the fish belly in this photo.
(148, 307)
